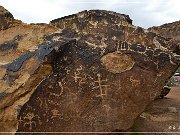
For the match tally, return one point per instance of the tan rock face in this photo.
(117, 63)
(17, 83)
(91, 71)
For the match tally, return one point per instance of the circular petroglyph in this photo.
(117, 63)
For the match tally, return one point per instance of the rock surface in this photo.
(169, 30)
(158, 118)
(6, 19)
(91, 71)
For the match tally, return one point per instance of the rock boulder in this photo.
(88, 72)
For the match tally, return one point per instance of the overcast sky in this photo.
(144, 13)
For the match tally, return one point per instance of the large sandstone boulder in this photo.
(88, 72)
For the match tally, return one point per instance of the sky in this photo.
(144, 13)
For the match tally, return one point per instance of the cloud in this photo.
(143, 13)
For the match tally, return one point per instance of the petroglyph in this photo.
(103, 45)
(95, 62)
(67, 70)
(62, 88)
(56, 114)
(39, 100)
(101, 86)
(77, 74)
(30, 122)
(134, 82)
(117, 63)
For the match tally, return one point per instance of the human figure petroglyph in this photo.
(20, 120)
(77, 73)
(102, 87)
(30, 116)
(76, 76)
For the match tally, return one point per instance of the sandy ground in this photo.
(163, 115)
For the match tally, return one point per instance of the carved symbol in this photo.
(61, 86)
(134, 82)
(55, 113)
(20, 120)
(59, 94)
(80, 79)
(123, 46)
(117, 49)
(103, 88)
(76, 77)
(76, 74)
(40, 102)
(67, 70)
(30, 122)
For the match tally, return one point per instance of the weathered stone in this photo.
(7, 20)
(172, 109)
(91, 71)
(172, 32)
(117, 63)
(169, 30)
(18, 67)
